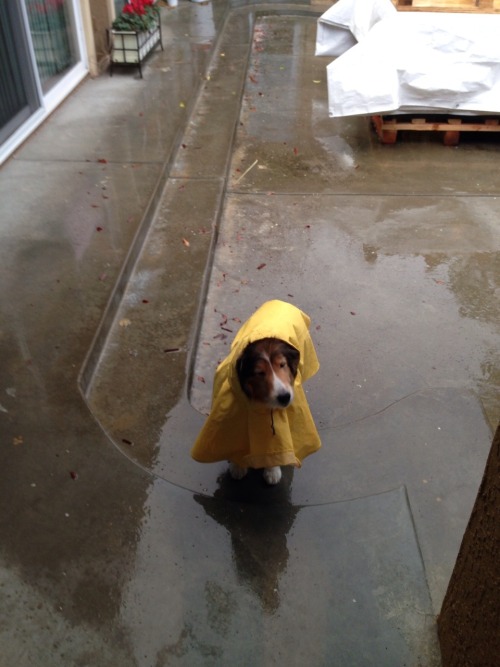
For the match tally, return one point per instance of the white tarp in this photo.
(417, 61)
(347, 22)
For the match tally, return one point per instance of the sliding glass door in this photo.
(42, 58)
(18, 90)
(52, 33)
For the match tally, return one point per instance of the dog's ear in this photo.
(243, 369)
(239, 366)
(293, 359)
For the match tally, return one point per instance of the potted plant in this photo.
(135, 33)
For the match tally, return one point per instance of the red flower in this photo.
(136, 15)
(136, 7)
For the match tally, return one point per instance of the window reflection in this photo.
(52, 35)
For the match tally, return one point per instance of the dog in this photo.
(266, 371)
(259, 416)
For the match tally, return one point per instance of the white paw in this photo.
(272, 475)
(237, 472)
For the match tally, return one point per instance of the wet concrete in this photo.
(132, 234)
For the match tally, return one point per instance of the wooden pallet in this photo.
(465, 6)
(387, 127)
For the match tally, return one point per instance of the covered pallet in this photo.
(413, 62)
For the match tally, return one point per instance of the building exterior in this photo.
(46, 48)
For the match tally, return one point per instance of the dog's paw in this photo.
(237, 472)
(272, 475)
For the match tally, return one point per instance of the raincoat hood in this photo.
(248, 433)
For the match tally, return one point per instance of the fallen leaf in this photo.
(186, 242)
(98, 229)
(18, 440)
(252, 78)
(352, 312)
(73, 475)
(296, 151)
(127, 442)
(125, 322)
(102, 160)
(171, 349)
(200, 378)
(261, 266)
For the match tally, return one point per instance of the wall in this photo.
(469, 623)
(97, 17)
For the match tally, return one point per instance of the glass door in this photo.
(53, 36)
(18, 90)
(42, 59)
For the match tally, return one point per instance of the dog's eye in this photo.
(283, 364)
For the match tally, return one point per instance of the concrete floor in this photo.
(133, 227)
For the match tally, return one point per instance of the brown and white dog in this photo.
(266, 371)
(259, 415)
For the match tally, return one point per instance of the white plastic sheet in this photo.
(333, 33)
(347, 22)
(417, 61)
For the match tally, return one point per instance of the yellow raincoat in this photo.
(248, 433)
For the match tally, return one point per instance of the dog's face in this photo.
(267, 370)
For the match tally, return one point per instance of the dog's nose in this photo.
(284, 398)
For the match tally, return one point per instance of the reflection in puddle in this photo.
(258, 519)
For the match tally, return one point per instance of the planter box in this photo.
(131, 48)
